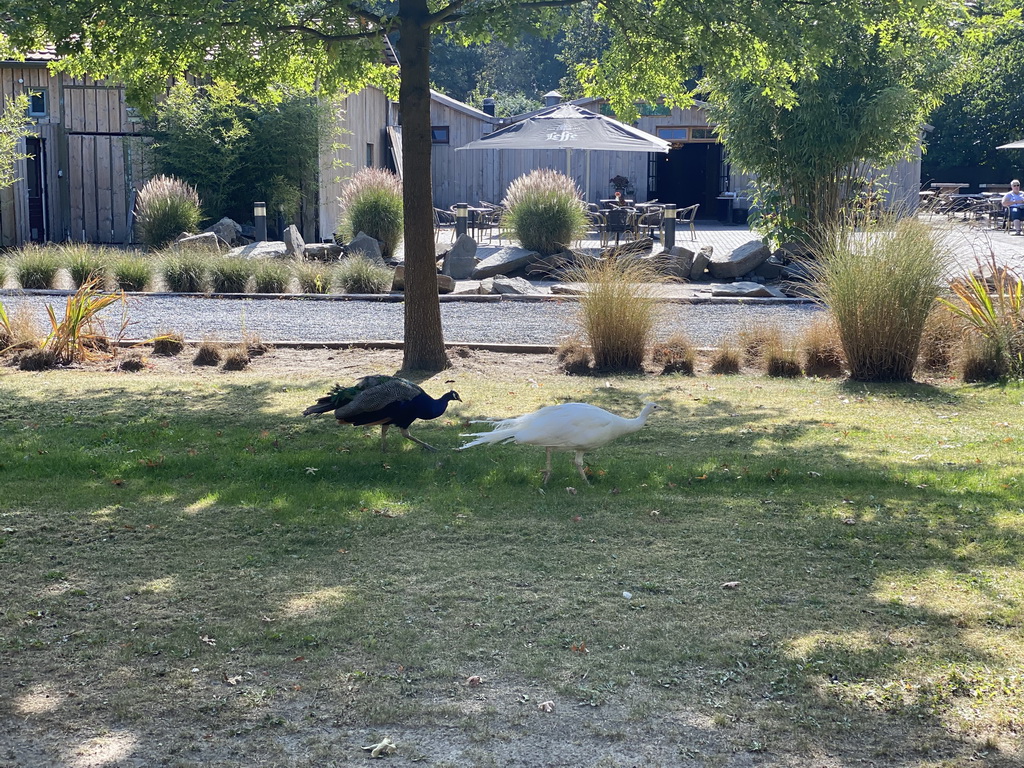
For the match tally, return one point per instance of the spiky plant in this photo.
(755, 340)
(544, 211)
(573, 357)
(371, 202)
(726, 360)
(822, 349)
(271, 276)
(676, 354)
(236, 359)
(75, 335)
(618, 311)
(360, 275)
(230, 274)
(166, 207)
(879, 287)
(168, 344)
(84, 261)
(208, 353)
(313, 278)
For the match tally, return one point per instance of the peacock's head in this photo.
(453, 395)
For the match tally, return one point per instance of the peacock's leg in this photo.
(384, 437)
(579, 466)
(547, 469)
(405, 433)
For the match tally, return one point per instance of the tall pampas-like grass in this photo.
(371, 202)
(166, 207)
(544, 210)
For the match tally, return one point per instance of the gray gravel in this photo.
(299, 320)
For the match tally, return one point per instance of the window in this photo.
(37, 102)
(369, 155)
(672, 134)
(439, 134)
(703, 134)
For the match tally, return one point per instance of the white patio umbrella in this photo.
(566, 126)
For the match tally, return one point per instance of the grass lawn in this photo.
(771, 572)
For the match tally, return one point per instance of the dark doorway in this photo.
(35, 182)
(689, 174)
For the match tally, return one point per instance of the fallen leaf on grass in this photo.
(546, 706)
(208, 640)
(384, 747)
(474, 680)
(581, 648)
(233, 680)
(571, 491)
(731, 585)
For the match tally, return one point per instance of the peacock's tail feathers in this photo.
(375, 393)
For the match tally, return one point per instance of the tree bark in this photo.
(424, 340)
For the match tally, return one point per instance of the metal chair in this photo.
(619, 222)
(686, 216)
(443, 220)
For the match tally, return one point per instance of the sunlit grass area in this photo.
(785, 568)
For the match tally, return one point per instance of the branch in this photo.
(451, 13)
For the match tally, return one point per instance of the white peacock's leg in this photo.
(579, 466)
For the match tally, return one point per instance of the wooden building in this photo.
(85, 159)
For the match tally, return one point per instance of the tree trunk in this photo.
(424, 340)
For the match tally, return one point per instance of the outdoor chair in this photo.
(686, 216)
(597, 224)
(443, 221)
(649, 223)
(618, 222)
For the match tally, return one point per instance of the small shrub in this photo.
(131, 273)
(131, 364)
(544, 210)
(573, 357)
(230, 274)
(726, 360)
(823, 351)
(37, 360)
(371, 202)
(253, 344)
(781, 362)
(17, 330)
(981, 360)
(313, 278)
(37, 267)
(208, 354)
(84, 262)
(756, 340)
(168, 344)
(271, 276)
(676, 355)
(236, 359)
(618, 311)
(879, 287)
(360, 275)
(184, 272)
(942, 340)
(78, 333)
(166, 207)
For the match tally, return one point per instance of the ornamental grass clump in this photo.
(676, 354)
(879, 287)
(544, 211)
(271, 276)
(991, 302)
(230, 274)
(313, 278)
(37, 267)
(184, 271)
(84, 262)
(822, 350)
(166, 207)
(76, 335)
(725, 361)
(618, 311)
(131, 273)
(360, 275)
(371, 202)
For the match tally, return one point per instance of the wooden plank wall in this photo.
(360, 119)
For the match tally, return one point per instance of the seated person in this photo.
(1014, 200)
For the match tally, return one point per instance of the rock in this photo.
(636, 247)
(205, 241)
(445, 284)
(504, 261)
(460, 262)
(555, 265)
(322, 252)
(742, 260)
(293, 242)
(769, 270)
(746, 290)
(486, 287)
(367, 246)
(701, 259)
(516, 286)
(265, 249)
(675, 262)
(227, 230)
(567, 290)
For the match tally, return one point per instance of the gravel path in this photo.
(297, 320)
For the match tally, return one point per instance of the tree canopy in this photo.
(331, 45)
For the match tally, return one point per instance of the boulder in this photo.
(486, 287)
(205, 241)
(515, 286)
(675, 262)
(504, 261)
(367, 246)
(322, 252)
(568, 290)
(701, 259)
(769, 270)
(460, 262)
(293, 242)
(555, 265)
(227, 230)
(746, 290)
(445, 284)
(742, 260)
(264, 249)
